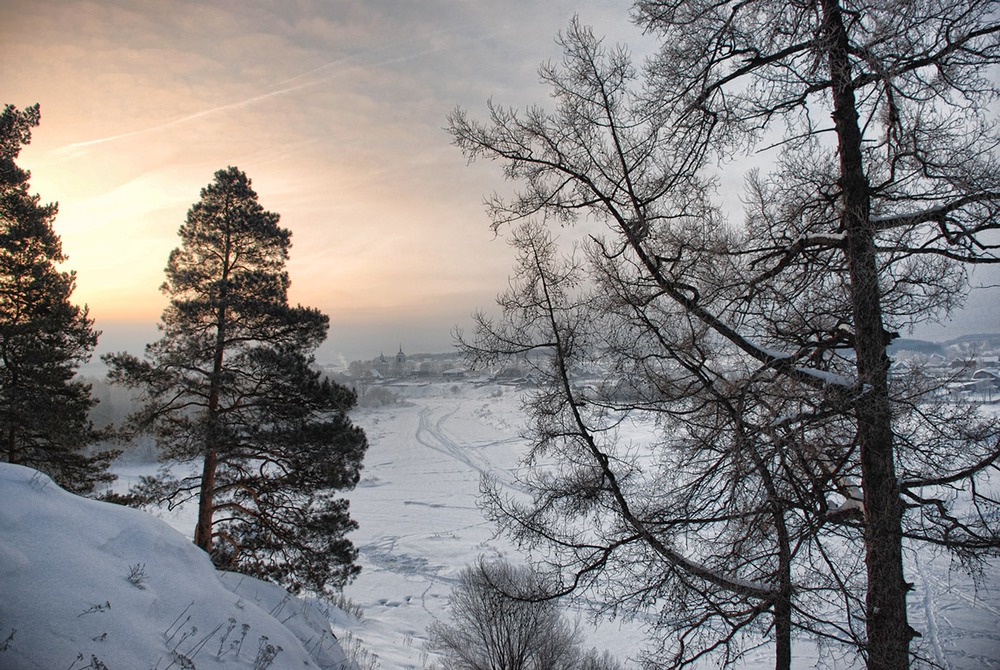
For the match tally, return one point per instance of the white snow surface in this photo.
(420, 525)
(67, 601)
(417, 505)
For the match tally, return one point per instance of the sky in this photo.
(335, 109)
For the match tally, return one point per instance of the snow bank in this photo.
(88, 584)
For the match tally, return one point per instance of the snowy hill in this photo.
(88, 584)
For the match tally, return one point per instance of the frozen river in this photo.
(420, 525)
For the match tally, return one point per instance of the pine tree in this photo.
(230, 385)
(44, 338)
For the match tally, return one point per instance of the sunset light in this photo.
(335, 111)
(509, 334)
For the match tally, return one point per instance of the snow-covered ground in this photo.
(420, 525)
(417, 507)
(87, 585)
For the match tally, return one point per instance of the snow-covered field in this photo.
(417, 507)
(420, 525)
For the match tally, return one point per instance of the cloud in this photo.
(334, 109)
(359, 64)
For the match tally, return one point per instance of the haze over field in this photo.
(420, 525)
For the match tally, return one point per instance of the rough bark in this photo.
(206, 502)
(888, 632)
(203, 533)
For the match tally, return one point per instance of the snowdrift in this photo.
(87, 584)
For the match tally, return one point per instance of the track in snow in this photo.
(432, 434)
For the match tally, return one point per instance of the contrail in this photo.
(70, 148)
(285, 88)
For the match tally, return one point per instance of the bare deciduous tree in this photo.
(720, 518)
(500, 620)
(762, 347)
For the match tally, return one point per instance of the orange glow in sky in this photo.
(335, 111)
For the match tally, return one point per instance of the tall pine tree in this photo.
(230, 386)
(44, 338)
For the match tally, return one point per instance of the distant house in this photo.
(936, 360)
(381, 365)
(986, 379)
(982, 385)
(511, 373)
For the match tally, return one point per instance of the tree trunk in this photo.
(206, 493)
(888, 632)
(783, 603)
(203, 528)
(12, 445)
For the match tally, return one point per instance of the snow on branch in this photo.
(931, 214)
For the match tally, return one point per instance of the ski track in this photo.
(421, 525)
(432, 434)
(418, 509)
(961, 620)
(931, 614)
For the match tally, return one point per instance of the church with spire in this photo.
(391, 367)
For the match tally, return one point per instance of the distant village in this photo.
(375, 379)
(399, 366)
(967, 368)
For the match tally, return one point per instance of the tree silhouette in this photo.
(44, 338)
(231, 385)
(883, 191)
(498, 622)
